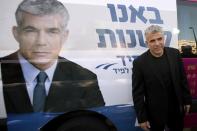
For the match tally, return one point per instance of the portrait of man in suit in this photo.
(35, 78)
(159, 85)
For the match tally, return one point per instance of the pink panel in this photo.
(190, 120)
(190, 65)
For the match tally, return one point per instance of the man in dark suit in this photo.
(160, 90)
(41, 32)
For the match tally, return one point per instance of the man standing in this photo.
(160, 90)
(36, 78)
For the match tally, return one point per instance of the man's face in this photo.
(40, 39)
(155, 42)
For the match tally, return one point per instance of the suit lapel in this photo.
(172, 64)
(15, 86)
(18, 97)
(62, 78)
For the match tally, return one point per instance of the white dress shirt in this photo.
(30, 73)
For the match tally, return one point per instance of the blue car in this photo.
(106, 118)
(110, 118)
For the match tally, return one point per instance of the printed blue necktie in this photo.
(39, 95)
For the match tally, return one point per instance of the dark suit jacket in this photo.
(150, 100)
(73, 87)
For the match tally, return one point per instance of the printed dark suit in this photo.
(73, 87)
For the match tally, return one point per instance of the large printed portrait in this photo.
(85, 50)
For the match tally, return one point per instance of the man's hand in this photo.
(187, 108)
(145, 126)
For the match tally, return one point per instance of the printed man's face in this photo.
(155, 42)
(40, 39)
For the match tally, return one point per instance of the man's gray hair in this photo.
(41, 8)
(154, 29)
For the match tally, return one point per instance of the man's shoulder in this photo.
(142, 56)
(73, 67)
(68, 64)
(10, 58)
(171, 49)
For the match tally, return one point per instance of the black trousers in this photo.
(174, 122)
(172, 125)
